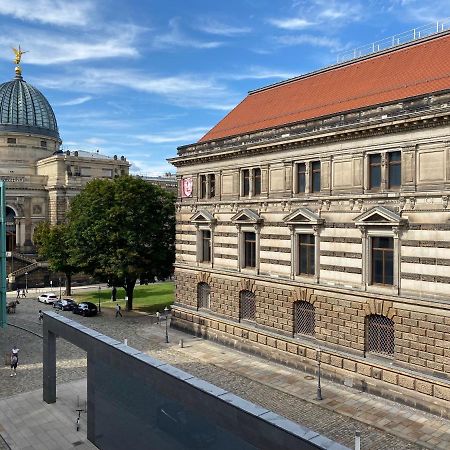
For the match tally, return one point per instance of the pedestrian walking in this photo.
(118, 308)
(158, 317)
(40, 315)
(23, 293)
(18, 293)
(14, 361)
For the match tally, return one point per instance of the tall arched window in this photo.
(247, 305)
(304, 318)
(379, 335)
(203, 295)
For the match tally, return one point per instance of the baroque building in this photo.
(40, 179)
(313, 221)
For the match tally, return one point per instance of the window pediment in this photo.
(303, 216)
(202, 217)
(379, 216)
(247, 216)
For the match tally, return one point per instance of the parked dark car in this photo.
(65, 304)
(85, 309)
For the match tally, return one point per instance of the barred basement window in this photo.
(247, 305)
(203, 295)
(304, 318)
(379, 335)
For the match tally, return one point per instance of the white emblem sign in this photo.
(187, 187)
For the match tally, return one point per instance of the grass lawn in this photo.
(149, 298)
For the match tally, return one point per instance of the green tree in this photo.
(121, 229)
(52, 242)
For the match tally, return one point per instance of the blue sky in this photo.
(141, 77)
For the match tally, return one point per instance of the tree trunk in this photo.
(129, 289)
(68, 284)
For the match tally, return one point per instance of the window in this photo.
(249, 249)
(306, 254)
(246, 182)
(375, 171)
(44, 144)
(257, 181)
(383, 260)
(206, 246)
(379, 335)
(203, 295)
(202, 186)
(107, 173)
(301, 177)
(247, 305)
(315, 177)
(212, 185)
(11, 141)
(394, 169)
(304, 318)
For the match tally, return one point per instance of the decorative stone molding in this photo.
(246, 284)
(304, 294)
(445, 201)
(204, 277)
(380, 307)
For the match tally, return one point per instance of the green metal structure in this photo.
(2, 255)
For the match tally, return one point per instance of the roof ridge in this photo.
(400, 47)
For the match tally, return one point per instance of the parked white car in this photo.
(47, 298)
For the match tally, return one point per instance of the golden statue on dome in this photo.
(18, 52)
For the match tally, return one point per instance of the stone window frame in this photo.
(251, 181)
(380, 222)
(304, 221)
(200, 286)
(207, 179)
(248, 220)
(385, 165)
(204, 221)
(308, 177)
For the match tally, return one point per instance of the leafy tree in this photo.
(52, 242)
(121, 229)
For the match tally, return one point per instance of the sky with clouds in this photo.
(141, 77)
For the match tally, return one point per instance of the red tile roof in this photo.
(417, 69)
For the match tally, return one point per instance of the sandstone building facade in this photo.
(313, 222)
(40, 179)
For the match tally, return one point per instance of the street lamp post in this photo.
(51, 284)
(166, 313)
(26, 281)
(99, 307)
(319, 387)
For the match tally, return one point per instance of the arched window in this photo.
(304, 318)
(247, 305)
(379, 335)
(203, 295)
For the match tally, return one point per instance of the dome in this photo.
(23, 109)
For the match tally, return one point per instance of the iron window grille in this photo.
(375, 171)
(380, 335)
(383, 260)
(315, 178)
(203, 295)
(249, 249)
(301, 177)
(247, 305)
(206, 246)
(304, 318)
(306, 257)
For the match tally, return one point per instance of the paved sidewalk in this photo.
(27, 423)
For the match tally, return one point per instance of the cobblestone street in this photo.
(142, 333)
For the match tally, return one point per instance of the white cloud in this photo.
(302, 39)
(176, 38)
(258, 73)
(186, 135)
(213, 26)
(76, 101)
(54, 12)
(95, 141)
(294, 23)
(150, 168)
(47, 48)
